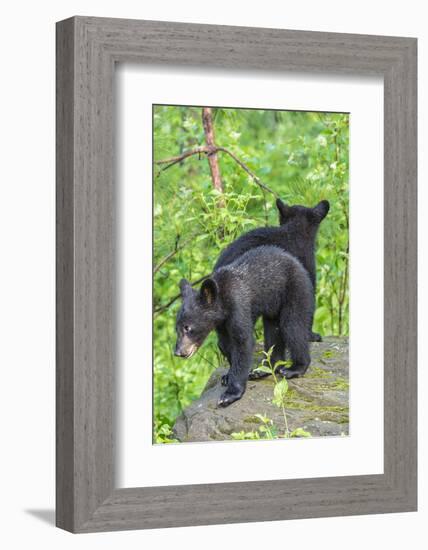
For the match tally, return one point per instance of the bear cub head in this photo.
(199, 314)
(301, 219)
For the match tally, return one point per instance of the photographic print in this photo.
(187, 334)
(250, 274)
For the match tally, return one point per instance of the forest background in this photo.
(217, 173)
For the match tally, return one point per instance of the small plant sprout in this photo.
(280, 390)
(281, 385)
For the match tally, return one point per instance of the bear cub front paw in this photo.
(232, 394)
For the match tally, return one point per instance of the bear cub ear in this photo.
(209, 292)
(185, 288)
(321, 210)
(283, 210)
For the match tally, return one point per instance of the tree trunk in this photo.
(207, 121)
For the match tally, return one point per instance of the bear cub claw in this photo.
(227, 398)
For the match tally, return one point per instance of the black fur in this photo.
(264, 281)
(296, 235)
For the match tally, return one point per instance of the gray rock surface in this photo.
(318, 402)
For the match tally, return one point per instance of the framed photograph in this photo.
(236, 274)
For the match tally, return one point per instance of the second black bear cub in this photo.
(296, 235)
(263, 282)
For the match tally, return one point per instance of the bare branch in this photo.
(209, 151)
(172, 254)
(162, 308)
(249, 172)
(175, 160)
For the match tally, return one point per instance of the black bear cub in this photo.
(263, 282)
(296, 235)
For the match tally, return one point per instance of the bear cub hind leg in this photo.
(272, 339)
(315, 337)
(297, 343)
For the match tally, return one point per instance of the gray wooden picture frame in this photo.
(87, 51)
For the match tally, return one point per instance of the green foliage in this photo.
(163, 434)
(302, 156)
(245, 435)
(279, 392)
(267, 429)
(300, 432)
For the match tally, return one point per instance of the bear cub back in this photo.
(262, 281)
(296, 235)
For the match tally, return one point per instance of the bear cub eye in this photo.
(187, 329)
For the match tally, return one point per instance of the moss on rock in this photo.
(318, 402)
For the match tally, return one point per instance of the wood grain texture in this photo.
(87, 49)
(64, 277)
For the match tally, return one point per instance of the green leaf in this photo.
(283, 363)
(300, 432)
(263, 368)
(268, 354)
(245, 435)
(264, 419)
(279, 392)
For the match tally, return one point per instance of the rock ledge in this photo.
(318, 402)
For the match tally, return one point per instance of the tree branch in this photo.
(174, 160)
(162, 308)
(256, 179)
(207, 122)
(209, 151)
(172, 254)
